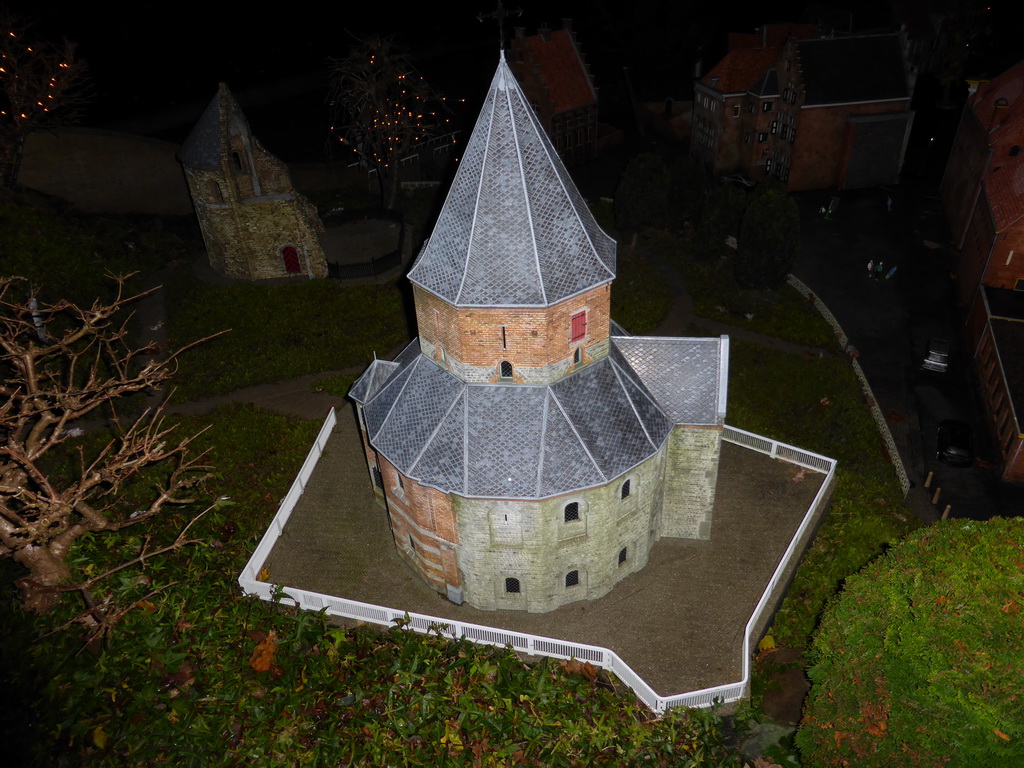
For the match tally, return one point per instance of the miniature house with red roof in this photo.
(550, 69)
(528, 451)
(812, 112)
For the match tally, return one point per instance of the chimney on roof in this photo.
(545, 33)
(567, 25)
(520, 33)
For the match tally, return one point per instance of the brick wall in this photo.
(536, 341)
(818, 157)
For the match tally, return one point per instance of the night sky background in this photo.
(155, 67)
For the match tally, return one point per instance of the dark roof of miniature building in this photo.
(1008, 336)
(202, 148)
(514, 230)
(767, 84)
(531, 442)
(562, 70)
(844, 70)
(740, 70)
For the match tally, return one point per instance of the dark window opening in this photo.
(572, 579)
(236, 162)
(767, 106)
(1014, 150)
(504, 344)
(412, 543)
(505, 369)
(577, 356)
(512, 586)
(378, 478)
(572, 511)
(626, 489)
(762, 137)
(622, 556)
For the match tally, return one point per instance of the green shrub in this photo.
(918, 662)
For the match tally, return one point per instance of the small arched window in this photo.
(626, 489)
(572, 512)
(572, 579)
(577, 356)
(622, 555)
(505, 369)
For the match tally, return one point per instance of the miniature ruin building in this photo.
(529, 452)
(255, 225)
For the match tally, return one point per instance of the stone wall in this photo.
(533, 543)
(691, 476)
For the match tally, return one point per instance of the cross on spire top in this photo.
(499, 15)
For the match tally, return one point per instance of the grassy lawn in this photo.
(278, 333)
(817, 404)
(784, 313)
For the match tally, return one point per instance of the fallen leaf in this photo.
(263, 657)
(1001, 735)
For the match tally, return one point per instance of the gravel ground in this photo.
(678, 623)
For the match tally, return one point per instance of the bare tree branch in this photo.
(86, 364)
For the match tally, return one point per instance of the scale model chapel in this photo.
(528, 451)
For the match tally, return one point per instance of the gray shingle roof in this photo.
(844, 70)
(514, 230)
(202, 147)
(531, 442)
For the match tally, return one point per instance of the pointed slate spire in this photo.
(514, 230)
(203, 146)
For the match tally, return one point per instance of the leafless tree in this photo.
(59, 364)
(42, 85)
(382, 109)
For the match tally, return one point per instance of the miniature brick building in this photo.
(255, 225)
(529, 452)
(813, 113)
(553, 74)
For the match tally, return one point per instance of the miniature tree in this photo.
(382, 109)
(42, 85)
(60, 363)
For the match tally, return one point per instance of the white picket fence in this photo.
(523, 642)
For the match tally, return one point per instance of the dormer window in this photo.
(505, 370)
